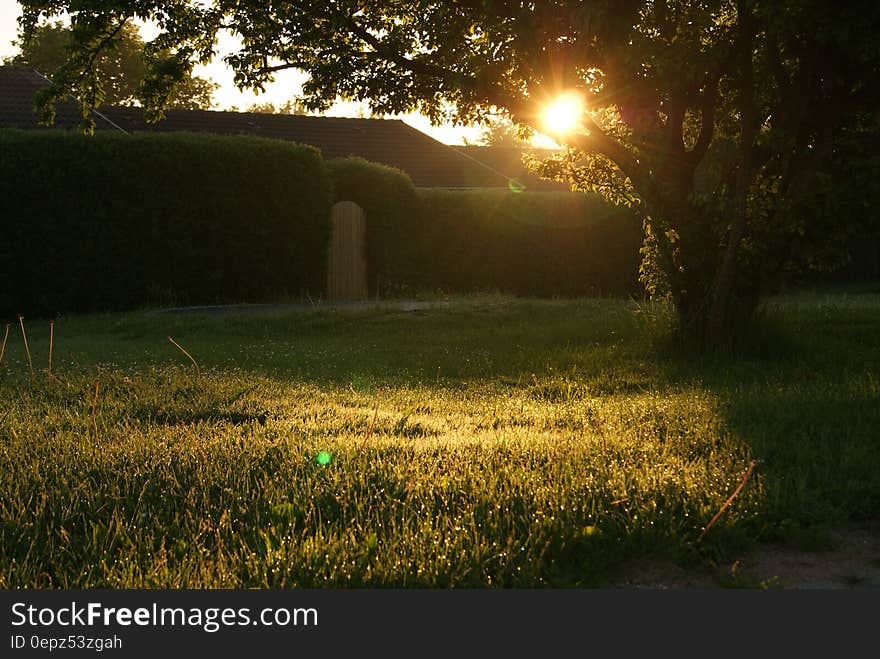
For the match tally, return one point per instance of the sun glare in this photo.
(563, 114)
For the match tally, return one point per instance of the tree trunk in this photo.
(725, 275)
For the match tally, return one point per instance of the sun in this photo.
(563, 114)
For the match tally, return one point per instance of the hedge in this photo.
(115, 221)
(528, 243)
(524, 243)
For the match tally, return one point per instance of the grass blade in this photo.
(180, 347)
(26, 349)
(3, 347)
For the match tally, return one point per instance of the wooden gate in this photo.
(346, 259)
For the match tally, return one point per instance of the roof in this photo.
(18, 85)
(428, 162)
(509, 160)
(388, 141)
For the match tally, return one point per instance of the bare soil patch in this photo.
(852, 561)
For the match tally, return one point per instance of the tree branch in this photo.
(379, 46)
(97, 50)
(596, 140)
(708, 104)
(278, 67)
(675, 113)
(708, 101)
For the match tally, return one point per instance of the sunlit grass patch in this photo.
(494, 442)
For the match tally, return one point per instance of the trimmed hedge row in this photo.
(542, 244)
(527, 243)
(112, 222)
(115, 221)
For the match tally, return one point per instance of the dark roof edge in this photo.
(241, 113)
(461, 154)
(111, 123)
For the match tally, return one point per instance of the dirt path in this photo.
(853, 562)
(321, 305)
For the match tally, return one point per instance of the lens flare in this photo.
(323, 458)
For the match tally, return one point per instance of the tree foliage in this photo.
(289, 107)
(116, 73)
(711, 119)
(502, 132)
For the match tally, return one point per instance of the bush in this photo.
(389, 200)
(528, 243)
(113, 221)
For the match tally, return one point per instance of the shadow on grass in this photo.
(800, 389)
(799, 393)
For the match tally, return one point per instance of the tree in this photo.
(119, 68)
(289, 107)
(502, 132)
(710, 119)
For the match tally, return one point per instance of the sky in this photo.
(227, 96)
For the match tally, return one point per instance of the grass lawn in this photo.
(488, 442)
